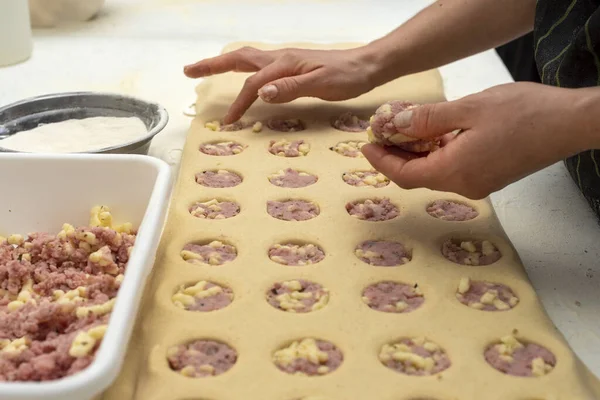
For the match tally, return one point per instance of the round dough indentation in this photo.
(222, 148)
(291, 178)
(220, 178)
(308, 357)
(286, 125)
(213, 253)
(214, 209)
(519, 358)
(298, 296)
(292, 210)
(486, 296)
(349, 122)
(370, 178)
(349, 148)
(374, 210)
(203, 296)
(470, 251)
(382, 253)
(286, 148)
(414, 356)
(296, 254)
(201, 358)
(448, 210)
(393, 297)
(217, 125)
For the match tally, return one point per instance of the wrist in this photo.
(381, 61)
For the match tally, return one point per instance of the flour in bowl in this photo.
(77, 135)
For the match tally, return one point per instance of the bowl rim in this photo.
(163, 119)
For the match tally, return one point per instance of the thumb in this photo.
(432, 120)
(289, 88)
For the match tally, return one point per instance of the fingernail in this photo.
(403, 119)
(268, 93)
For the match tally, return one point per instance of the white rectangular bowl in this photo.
(41, 192)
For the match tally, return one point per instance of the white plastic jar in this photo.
(16, 43)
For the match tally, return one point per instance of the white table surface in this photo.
(139, 47)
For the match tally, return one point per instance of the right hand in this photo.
(284, 75)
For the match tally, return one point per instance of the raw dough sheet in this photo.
(256, 329)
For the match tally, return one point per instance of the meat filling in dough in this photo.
(383, 253)
(414, 356)
(201, 358)
(222, 148)
(308, 357)
(298, 296)
(291, 178)
(471, 252)
(292, 210)
(203, 296)
(486, 296)
(213, 253)
(373, 210)
(296, 254)
(218, 179)
(512, 357)
(393, 297)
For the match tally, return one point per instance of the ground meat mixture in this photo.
(365, 178)
(213, 253)
(291, 178)
(349, 149)
(284, 148)
(298, 296)
(201, 358)
(414, 356)
(286, 125)
(218, 179)
(393, 297)
(236, 126)
(486, 296)
(215, 209)
(202, 296)
(349, 122)
(222, 148)
(292, 210)
(56, 296)
(470, 252)
(308, 357)
(383, 253)
(373, 210)
(512, 357)
(385, 128)
(451, 211)
(296, 254)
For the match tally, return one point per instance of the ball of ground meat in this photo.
(386, 125)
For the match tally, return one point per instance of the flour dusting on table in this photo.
(77, 135)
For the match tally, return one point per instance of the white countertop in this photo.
(139, 47)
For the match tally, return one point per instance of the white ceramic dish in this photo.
(41, 192)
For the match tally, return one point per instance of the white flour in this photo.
(77, 135)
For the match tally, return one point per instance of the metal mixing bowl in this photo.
(29, 113)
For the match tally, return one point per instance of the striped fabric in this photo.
(567, 53)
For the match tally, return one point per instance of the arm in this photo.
(447, 31)
(443, 32)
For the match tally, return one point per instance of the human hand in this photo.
(508, 132)
(284, 75)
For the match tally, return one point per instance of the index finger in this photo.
(242, 60)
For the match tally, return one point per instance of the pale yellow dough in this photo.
(256, 330)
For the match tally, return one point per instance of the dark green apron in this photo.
(567, 54)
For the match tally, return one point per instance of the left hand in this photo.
(508, 132)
